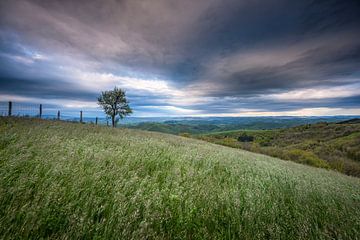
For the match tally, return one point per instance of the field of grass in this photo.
(326, 145)
(67, 181)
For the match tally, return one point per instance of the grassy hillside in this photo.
(65, 180)
(326, 145)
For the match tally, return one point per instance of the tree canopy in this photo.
(115, 104)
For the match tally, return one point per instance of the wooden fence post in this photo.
(107, 122)
(40, 110)
(96, 120)
(81, 120)
(58, 115)
(10, 109)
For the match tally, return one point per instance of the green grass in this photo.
(66, 181)
(326, 145)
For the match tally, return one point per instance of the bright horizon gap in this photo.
(92, 106)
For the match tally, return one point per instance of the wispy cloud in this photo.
(318, 93)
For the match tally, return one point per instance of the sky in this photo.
(184, 58)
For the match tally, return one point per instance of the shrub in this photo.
(337, 164)
(185, 134)
(245, 138)
(352, 168)
(309, 158)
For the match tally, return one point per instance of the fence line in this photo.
(42, 111)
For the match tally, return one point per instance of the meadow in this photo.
(326, 145)
(63, 180)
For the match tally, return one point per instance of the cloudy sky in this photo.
(184, 58)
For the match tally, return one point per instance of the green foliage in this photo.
(115, 104)
(325, 145)
(302, 156)
(245, 138)
(188, 135)
(60, 181)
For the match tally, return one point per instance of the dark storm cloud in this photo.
(43, 88)
(240, 105)
(323, 15)
(314, 67)
(218, 49)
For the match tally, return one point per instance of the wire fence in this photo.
(45, 111)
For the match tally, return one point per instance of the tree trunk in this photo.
(113, 121)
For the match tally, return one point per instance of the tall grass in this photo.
(64, 180)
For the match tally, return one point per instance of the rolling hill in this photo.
(326, 145)
(204, 125)
(65, 180)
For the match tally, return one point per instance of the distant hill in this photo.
(328, 145)
(218, 124)
(63, 180)
(354, 120)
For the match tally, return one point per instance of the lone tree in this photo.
(114, 104)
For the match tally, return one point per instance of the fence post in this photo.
(107, 122)
(58, 115)
(81, 120)
(40, 110)
(10, 109)
(96, 120)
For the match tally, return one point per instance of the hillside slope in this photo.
(67, 180)
(327, 145)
